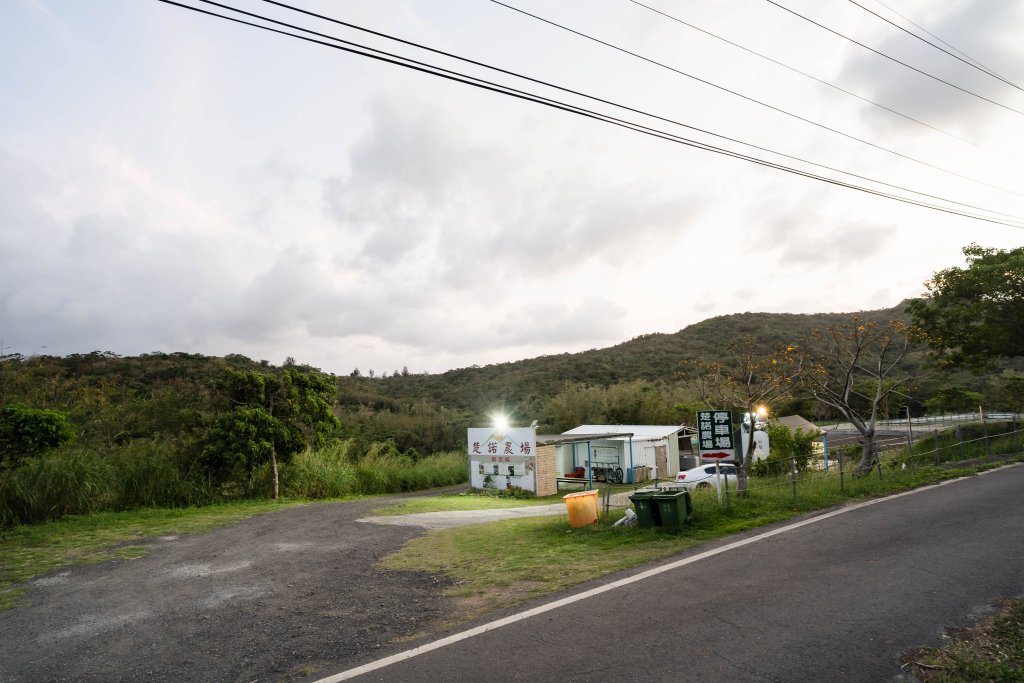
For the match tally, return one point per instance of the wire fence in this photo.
(891, 463)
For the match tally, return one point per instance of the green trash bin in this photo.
(646, 509)
(674, 508)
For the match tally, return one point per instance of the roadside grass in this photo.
(503, 564)
(29, 550)
(990, 650)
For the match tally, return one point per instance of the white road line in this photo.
(521, 616)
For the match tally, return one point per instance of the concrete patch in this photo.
(62, 577)
(291, 547)
(94, 624)
(218, 598)
(194, 571)
(454, 518)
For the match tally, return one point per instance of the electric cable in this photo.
(951, 47)
(987, 72)
(893, 59)
(569, 90)
(485, 85)
(754, 100)
(812, 77)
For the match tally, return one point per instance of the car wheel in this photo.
(703, 485)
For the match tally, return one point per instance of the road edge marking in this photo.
(655, 571)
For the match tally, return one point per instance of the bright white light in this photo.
(501, 423)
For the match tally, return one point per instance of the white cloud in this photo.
(216, 191)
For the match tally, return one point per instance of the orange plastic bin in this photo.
(583, 508)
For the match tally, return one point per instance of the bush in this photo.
(28, 431)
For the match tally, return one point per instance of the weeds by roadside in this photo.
(990, 650)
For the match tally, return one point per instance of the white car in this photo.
(703, 477)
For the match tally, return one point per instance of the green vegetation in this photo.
(83, 482)
(30, 431)
(991, 650)
(973, 315)
(184, 429)
(180, 430)
(267, 418)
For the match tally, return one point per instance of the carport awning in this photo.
(559, 439)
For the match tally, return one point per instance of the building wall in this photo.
(547, 472)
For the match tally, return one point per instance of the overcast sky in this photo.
(173, 182)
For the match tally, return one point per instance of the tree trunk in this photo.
(867, 457)
(273, 472)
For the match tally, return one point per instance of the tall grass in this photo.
(145, 474)
(328, 473)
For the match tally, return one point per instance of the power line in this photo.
(906, 19)
(893, 59)
(567, 90)
(752, 99)
(807, 75)
(485, 85)
(974, 64)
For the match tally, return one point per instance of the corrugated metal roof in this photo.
(639, 432)
(555, 439)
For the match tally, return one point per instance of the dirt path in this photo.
(273, 598)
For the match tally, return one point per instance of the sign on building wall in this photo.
(502, 458)
(715, 435)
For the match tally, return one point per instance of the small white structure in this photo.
(502, 458)
(624, 447)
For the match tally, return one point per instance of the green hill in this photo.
(650, 357)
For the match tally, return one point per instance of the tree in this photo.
(954, 400)
(26, 431)
(854, 367)
(748, 378)
(786, 445)
(975, 314)
(268, 418)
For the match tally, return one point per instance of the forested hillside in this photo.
(525, 386)
(182, 427)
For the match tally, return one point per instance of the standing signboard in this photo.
(715, 434)
(502, 458)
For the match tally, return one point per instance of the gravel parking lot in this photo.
(273, 598)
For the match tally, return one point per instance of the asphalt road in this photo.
(836, 599)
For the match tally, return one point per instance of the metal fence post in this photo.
(728, 503)
(878, 459)
(1013, 426)
(910, 439)
(938, 448)
(792, 474)
(842, 483)
(984, 424)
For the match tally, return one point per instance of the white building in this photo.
(619, 450)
